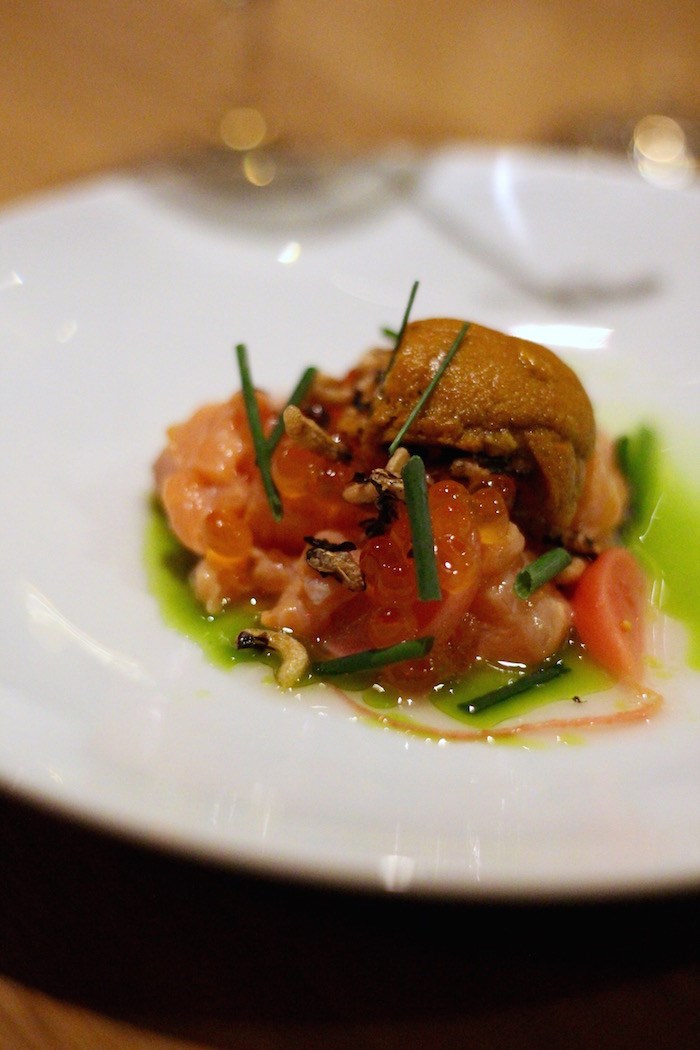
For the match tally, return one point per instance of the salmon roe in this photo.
(491, 503)
(226, 532)
(311, 488)
(394, 610)
(388, 571)
(300, 473)
(457, 546)
(390, 624)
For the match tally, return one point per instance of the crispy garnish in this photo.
(367, 488)
(387, 481)
(572, 573)
(330, 545)
(398, 460)
(360, 491)
(305, 432)
(469, 470)
(294, 660)
(335, 559)
(387, 513)
(579, 542)
(332, 391)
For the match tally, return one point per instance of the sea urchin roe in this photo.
(502, 398)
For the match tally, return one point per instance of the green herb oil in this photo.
(669, 548)
(168, 567)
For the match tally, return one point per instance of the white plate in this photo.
(120, 302)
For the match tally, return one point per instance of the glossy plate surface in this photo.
(120, 302)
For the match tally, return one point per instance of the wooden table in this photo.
(107, 943)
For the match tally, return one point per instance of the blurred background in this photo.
(91, 86)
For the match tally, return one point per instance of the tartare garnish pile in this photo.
(448, 505)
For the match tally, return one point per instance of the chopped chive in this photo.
(390, 333)
(541, 571)
(416, 494)
(399, 336)
(406, 314)
(637, 456)
(297, 396)
(430, 387)
(519, 685)
(262, 455)
(370, 659)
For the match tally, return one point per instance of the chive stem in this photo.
(370, 659)
(541, 571)
(637, 457)
(416, 495)
(519, 685)
(406, 315)
(430, 387)
(297, 396)
(262, 454)
(399, 336)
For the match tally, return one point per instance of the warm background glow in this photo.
(90, 85)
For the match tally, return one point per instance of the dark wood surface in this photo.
(107, 943)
